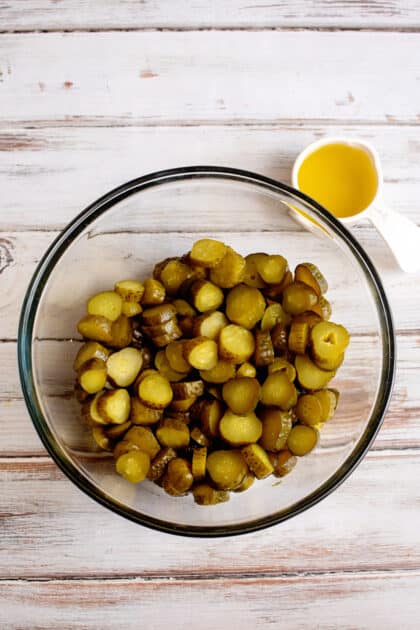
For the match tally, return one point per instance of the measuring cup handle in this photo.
(401, 234)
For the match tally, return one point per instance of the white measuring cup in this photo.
(401, 234)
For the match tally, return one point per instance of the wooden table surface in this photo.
(95, 93)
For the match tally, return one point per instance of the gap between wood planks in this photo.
(216, 576)
(56, 229)
(211, 29)
(46, 461)
(145, 122)
(6, 459)
(413, 332)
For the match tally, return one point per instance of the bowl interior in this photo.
(157, 221)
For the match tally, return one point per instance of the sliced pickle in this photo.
(302, 440)
(298, 298)
(328, 342)
(309, 375)
(298, 337)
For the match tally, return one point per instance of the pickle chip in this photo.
(241, 394)
(204, 494)
(257, 460)
(226, 469)
(328, 342)
(129, 290)
(133, 466)
(302, 440)
(208, 252)
(230, 271)
(245, 306)
(238, 430)
(236, 344)
(309, 375)
(298, 298)
(106, 304)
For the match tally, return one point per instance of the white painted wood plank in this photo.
(17, 264)
(365, 602)
(49, 528)
(50, 175)
(192, 77)
(78, 14)
(372, 521)
(18, 435)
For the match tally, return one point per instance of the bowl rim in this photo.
(96, 209)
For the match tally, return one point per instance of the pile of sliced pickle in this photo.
(211, 373)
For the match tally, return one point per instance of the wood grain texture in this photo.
(50, 175)
(190, 77)
(49, 528)
(78, 14)
(348, 602)
(82, 112)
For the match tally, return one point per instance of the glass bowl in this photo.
(124, 234)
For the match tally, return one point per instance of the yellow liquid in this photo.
(340, 177)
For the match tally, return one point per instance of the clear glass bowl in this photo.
(122, 235)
